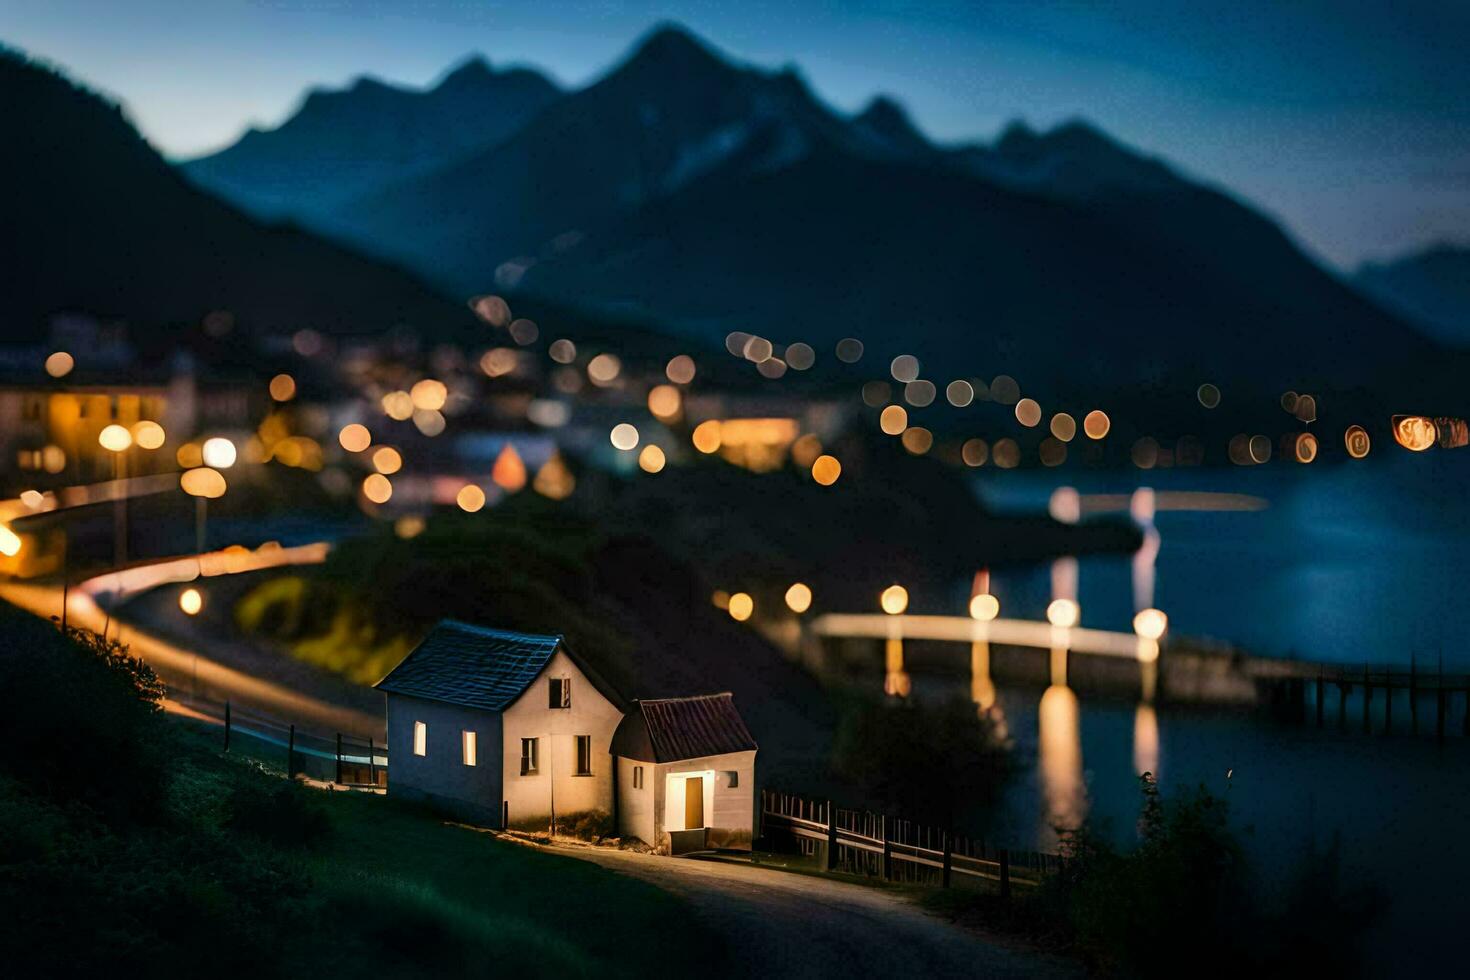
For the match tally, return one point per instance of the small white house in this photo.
(502, 729)
(686, 774)
(514, 730)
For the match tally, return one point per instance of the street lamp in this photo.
(204, 484)
(984, 607)
(191, 601)
(116, 439)
(799, 598)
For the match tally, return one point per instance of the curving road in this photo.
(783, 924)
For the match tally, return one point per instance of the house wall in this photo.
(532, 797)
(636, 806)
(729, 811)
(440, 777)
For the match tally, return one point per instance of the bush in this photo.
(892, 751)
(283, 813)
(1184, 900)
(81, 719)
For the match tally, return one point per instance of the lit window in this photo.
(529, 752)
(420, 738)
(560, 689)
(467, 740)
(637, 777)
(584, 755)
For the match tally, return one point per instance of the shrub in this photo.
(81, 718)
(283, 813)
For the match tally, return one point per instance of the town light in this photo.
(9, 542)
(219, 453)
(203, 482)
(799, 598)
(741, 606)
(1063, 613)
(190, 601)
(148, 435)
(115, 438)
(1150, 624)
(894, 600)
(984, 607)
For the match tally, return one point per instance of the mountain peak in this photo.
(673, 47)
(885, 118)
(472, 68)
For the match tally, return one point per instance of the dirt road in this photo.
(782, 924)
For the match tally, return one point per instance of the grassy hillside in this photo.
(130, 846)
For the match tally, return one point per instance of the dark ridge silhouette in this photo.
(99, 223)
(343, 143)
(1430, 287)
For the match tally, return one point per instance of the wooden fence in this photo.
(350, 760)
(877, 845)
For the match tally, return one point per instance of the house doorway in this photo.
(694, 802)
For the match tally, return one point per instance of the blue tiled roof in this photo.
(471, 665)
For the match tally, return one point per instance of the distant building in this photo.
(514, 730)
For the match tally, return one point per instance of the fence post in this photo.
(291, 752)
(227, 726)
(505, 814)
(1005, 873)
(372, 764)
(339, 753)
(948, 855)
(831, 837)
(887, 849)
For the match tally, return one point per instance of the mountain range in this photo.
(97, 222)
(690, 191)
(1430, 287)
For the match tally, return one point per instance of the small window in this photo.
(420, 738)
(467, 741)
(584, 755)
(560, 689)
(530, 749)
(637, 777)
(734, 778)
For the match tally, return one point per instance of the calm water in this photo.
(1361, 562)
(1355, 563)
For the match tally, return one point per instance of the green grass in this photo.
(402, 893)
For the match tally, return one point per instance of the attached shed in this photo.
(686, 774)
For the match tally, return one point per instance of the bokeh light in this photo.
(354, 437)
(799, 598)
(920, 393)
(1150, 624)
(1004, 390)
(115, 438)
(893, 420)
(904, 368)
(1064, 427)
(849, 350)
(706, 436)
(624, 436)
(387, 460)
(826, 470)
(651, 459)
(398, 405)
(604, 369)
(283, 387)
(470, 498)
(800, 356)
(149, 435)
(1096, 424)
(203, 482)
(974, 452)
(428, 395)
(1063, 613)
(1028, 412)
(959, 393)
(377, 488)
(1208, 395)
(918, 440)
(984, 607)
(680, 370)
(190, 601)
(1357, 442)
(664, 401)
(741, 606)
(60, 364)
(562, 351)
(894, 600)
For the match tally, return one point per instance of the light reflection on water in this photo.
(1359, 562)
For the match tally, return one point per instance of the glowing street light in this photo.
(9, 542)
(191, 601)
(219, 453)
(984, 607)
(203, 484)
(894, 600)
(116, 439)
(1063, 613)
(799, 598)
(741, 606)
(1150, 624)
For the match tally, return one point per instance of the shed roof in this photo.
(478, 667)
(674, 729)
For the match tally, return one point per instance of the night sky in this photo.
(1347, 120)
